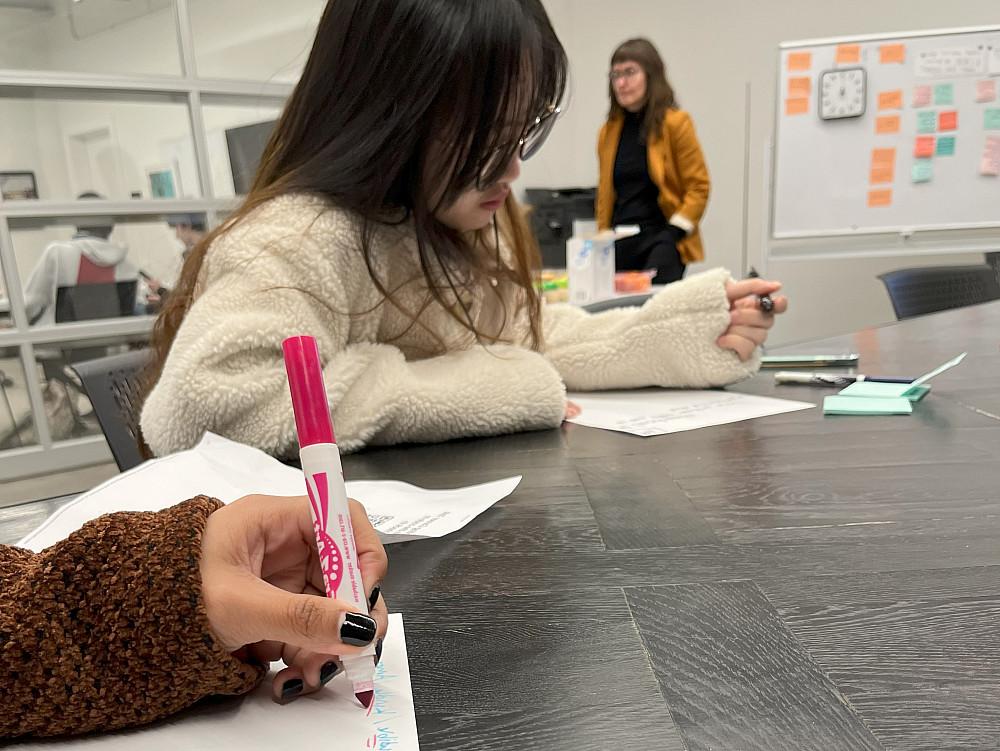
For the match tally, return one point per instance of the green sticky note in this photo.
(927, 121)
(923, 171)
(873, 390)
(944, 93)
(992, 119)
(946, 146)
(865, 405)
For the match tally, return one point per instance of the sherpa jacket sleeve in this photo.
(670, 341)
(273, 279)
(107, 629)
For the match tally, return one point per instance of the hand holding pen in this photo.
(766, 303)
(263, 591)
(749, 323)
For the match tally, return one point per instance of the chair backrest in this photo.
(627, 301)
(112, 385)
(918, 291)
(86, 302)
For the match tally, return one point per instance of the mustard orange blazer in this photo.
(676, 166)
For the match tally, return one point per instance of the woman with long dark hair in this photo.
(652, 172)
(382, 221)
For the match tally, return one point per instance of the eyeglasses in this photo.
(528, 145)
(617, 75)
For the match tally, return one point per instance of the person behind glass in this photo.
(89, 257)
(382, 220)
(652, 172)
(190, 229)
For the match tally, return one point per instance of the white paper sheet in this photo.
(650, 412)
(331, 718)
(227, 470)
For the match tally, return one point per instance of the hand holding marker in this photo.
(338, 556)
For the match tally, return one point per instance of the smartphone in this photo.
(808, 361)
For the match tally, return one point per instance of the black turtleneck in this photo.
(635, 192)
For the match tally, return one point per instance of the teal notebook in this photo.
(913, 392)
(872, 390)
(866, 405)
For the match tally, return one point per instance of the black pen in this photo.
(831, 379)
(766, 303)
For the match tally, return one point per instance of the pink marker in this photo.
(338, 555)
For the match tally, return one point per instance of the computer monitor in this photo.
(246, 146)
(87, 302)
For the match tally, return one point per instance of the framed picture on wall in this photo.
(164, 181)
(18, 186)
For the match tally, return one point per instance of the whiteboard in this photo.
(831, 177)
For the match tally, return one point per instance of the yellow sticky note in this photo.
(796, 106)
(879, 198)
(848, 53)
(891, 100)
(887, 124)
(800, 60)
(892, 53)
(799, 87)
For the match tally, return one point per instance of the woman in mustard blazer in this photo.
(652, 172)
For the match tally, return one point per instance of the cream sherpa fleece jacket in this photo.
(294, 266)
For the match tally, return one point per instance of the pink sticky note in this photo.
(924, 147)
(986, 90)
(922, 96)
(948, 120)
(990, 165)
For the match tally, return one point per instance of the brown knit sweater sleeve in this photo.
(108, 630)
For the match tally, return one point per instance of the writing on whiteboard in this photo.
(955, 61)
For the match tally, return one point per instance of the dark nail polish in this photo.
(292, 688)
(378, 651)
(327, 672)
(357, 630)
(373, 598)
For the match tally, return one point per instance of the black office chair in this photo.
(918, 291)
(112, 385)
(628, 301)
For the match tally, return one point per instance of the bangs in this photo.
(512, 70)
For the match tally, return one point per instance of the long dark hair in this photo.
(659, 93)
(396, 92)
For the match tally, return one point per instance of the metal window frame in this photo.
(48, 455)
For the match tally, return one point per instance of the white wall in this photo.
(713, 49)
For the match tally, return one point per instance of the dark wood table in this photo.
(796, 582)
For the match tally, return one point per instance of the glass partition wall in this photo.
(119, 121)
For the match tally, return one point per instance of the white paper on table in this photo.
(331, 718)
(228, 470)
(650, 412)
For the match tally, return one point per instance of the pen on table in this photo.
(831, 379)
(320, 457)
(766, 303)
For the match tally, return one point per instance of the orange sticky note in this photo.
(948, 120)
(849, 53)
(796, 106)
(892, 53)
(800, 60)
(883, 166)
(880, 197)
(799, 87)
(891, 100)
(887, 124)
(923, 148)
